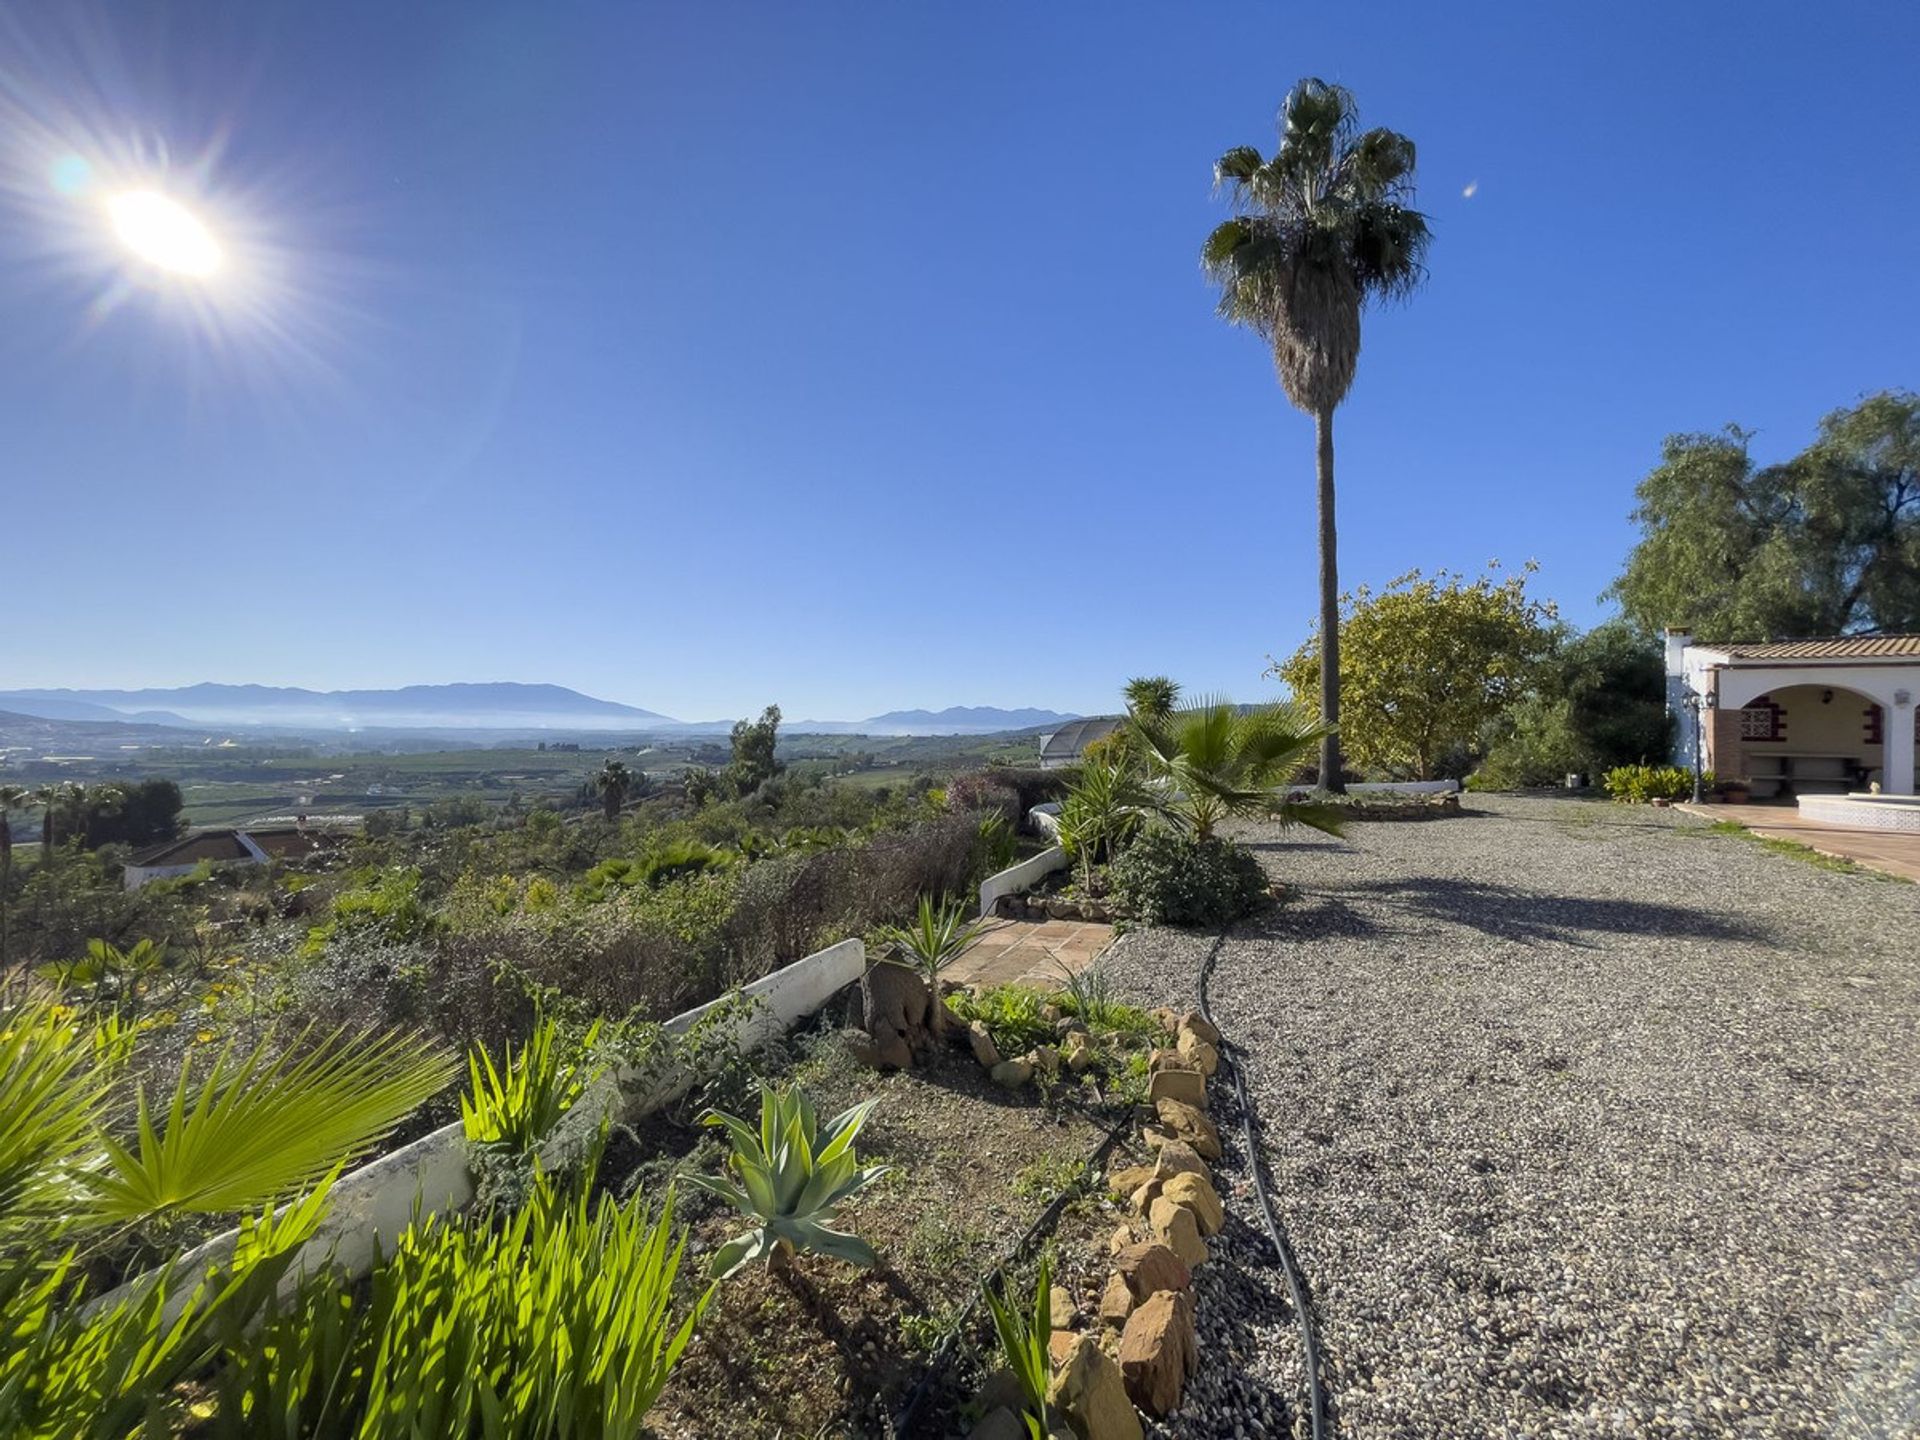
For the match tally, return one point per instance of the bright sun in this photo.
(164, 232)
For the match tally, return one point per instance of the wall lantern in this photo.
(1826, 697)
(1903, 698)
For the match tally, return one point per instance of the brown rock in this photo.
(1184, 1122)
(1060, 1308)
(1090, 1392)
(1079, 1051)
(1158, 1350)
(984, 1050)
(999, 1423)
(1177, 1157)
(1002, 1388)
(1044, 1058)
(1196, 1024)
(1187, 1086)
(1176, 1227)
(1203, 1056)
(1120, 1239)
(1144, 1194)
(1060, 1344)
(1012, 1073)
(1129, 1178)
(1151, 1266)
(1116, 1301)
(895, 1008)
(1169, 1021)
(1167, 1058)
(1197, 1194)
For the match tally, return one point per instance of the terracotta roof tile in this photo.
(1840, 647)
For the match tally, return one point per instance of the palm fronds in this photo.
(262, 1126)
(1215, 760)
(50, 1096)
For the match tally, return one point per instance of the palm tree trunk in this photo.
(1330, 763)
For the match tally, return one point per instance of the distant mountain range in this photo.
(497, 707)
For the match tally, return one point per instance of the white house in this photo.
(1800, 719)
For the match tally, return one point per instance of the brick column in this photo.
(1726, 756)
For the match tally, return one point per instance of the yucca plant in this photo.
(261, 1127)
(934, 941)
(1103, 807)
(1024, 1335)
(792, 1177)
(516, 1108)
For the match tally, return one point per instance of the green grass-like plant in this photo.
(1011, 1014)
(516, 1108)
(1024, 1334)
(792, 1177)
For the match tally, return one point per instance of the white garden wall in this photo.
(1023, 876)
(370, 1207)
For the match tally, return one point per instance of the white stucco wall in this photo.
(371, 1206)
(1023, 876)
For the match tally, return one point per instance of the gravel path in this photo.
(1582, 1125)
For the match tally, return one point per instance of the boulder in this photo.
(1129, 1178)
(1044, 1058)
(864, 1049)
(1002, 1389)
(1183, 1122)
(1203, 1056)
(1060, 1344)
(1121, 1238)
(1090, 1393)
(1142, 1196)
(1012, 1073)
(1197, 1194)
(1158, 1350)
(1176, 1157)
(1195, 1024)
(1061, 1309)
(984, 1050)
(1116, 1301)
(1167, 1058)
(895, 1009)
(1078, 1051)
(1169, 1021)
(999, 1423)
(1149, 1267)
(1187, 1086)
(1177, 1228)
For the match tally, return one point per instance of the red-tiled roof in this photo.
(1839, 647)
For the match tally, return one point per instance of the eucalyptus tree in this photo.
(1324, 227)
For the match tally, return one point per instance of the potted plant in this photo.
(1735, 792)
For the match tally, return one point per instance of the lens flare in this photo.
(163, 232)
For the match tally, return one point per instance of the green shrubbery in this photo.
(1637, 784)
(1167, 878)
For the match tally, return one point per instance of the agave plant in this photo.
(1215, 760)
(1024, 1336)
(793, 1177)
(934, 941)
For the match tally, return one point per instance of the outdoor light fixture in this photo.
(1826, 697)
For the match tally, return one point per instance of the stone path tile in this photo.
(1026, 952)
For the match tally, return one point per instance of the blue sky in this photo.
(856, 356)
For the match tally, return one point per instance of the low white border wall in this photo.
(1046, 819)
(370, 1207)
(1016, 878)
(1390, 787)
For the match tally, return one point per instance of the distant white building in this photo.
(257, 845)
(1065, 746)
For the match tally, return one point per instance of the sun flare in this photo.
(163, 232)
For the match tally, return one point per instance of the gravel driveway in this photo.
(1584, 1121)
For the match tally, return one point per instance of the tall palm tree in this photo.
(1154, 695)
(1215, 760)
(613, 782)
(12, 797)
(1324, 226)
(50, 799)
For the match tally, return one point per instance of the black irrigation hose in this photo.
(1024, 1246)
(1296, 1284)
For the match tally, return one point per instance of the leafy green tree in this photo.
(1827, 543)
(1431, 661)
(1599, 702)
(1213, 760)
(12, 797)
(753, 746)
(1324, 227)
(613, 782)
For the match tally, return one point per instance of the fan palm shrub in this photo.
(1324, 227)
(939, 933)
(1213, 760)
(792, 1177)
